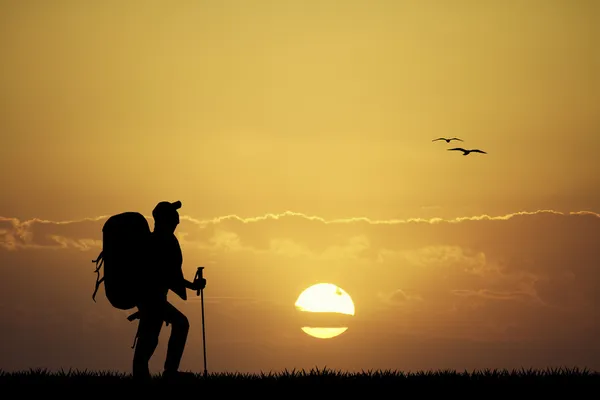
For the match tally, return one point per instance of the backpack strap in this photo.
(134, 316)
(99, 261)
(137, 335)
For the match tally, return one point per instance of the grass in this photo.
(292, 381)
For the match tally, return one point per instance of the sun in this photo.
(325, 298)
(323, 333)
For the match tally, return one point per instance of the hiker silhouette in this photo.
(164, 273)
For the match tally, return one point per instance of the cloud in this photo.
(221, 231)
(496, 295)
(273, 216)
(440, 256)
(400, 297)
(543, 257)
(35, 233)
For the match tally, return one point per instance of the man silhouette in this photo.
(164, 273)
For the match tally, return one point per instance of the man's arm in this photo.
(200, 284)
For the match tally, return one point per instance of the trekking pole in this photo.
(201, 293)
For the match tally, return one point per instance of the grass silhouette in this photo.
(324, 378)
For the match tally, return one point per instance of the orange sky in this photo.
(246, 110)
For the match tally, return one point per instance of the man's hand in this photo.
(198, 284)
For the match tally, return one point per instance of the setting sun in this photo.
(323, 333)
(325, 298)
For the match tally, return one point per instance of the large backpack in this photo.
(125, 250)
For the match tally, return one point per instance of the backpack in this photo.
(125, 249)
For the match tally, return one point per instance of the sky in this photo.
(298, 137)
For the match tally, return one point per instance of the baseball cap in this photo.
(165, 208)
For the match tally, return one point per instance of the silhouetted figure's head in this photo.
(166, 217)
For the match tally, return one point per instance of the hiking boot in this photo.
(178, 375)
(142, 377)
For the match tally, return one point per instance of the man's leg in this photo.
(180, 327)
(150, 324)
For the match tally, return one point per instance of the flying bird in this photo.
(448, 140)
(466, 152)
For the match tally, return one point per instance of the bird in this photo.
(447, 140)
(466, 152)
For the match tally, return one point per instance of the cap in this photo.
(165, 208)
